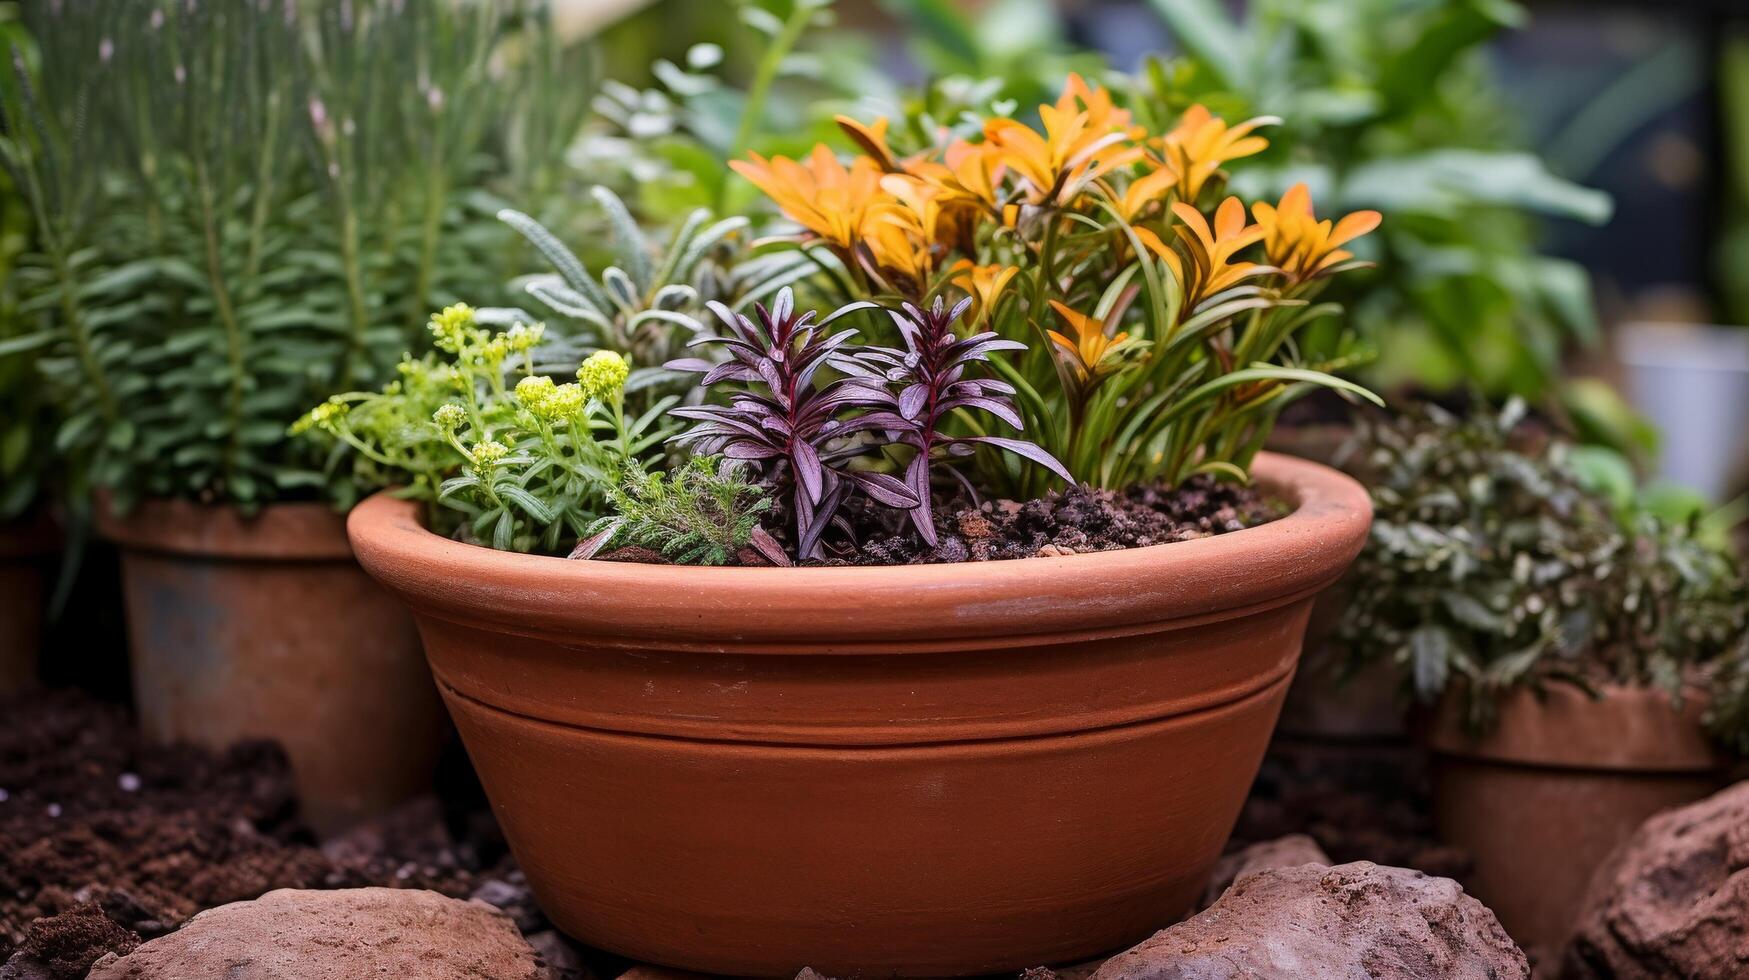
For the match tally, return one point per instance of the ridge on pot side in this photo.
(965, 769)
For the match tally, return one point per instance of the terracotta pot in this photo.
(266, 627)
(1541, 800)
(923, 770)
(27, 552)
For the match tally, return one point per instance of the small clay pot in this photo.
(265, 627)
(27, 552)
(1542, 799)
(920, 770)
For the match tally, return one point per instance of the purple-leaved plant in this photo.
(782, 420)
(934, 369)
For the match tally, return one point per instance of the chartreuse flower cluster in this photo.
(1159, 310)
(500, 453)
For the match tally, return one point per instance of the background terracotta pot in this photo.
(27, 553)
(1541, 800)
(266, 627)
(923, 770)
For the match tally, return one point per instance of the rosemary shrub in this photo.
(242, 206)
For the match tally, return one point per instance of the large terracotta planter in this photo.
(1543, 798)
(266, 627)
(27, 552)
(924, 770)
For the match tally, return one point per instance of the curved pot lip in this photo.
(1217, 577)
(276, 532)
(1631, 728)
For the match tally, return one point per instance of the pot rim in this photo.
(838, 609)
(296, 531)
(1630, 728)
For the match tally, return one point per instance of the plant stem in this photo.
(753, 110)
(227, 315)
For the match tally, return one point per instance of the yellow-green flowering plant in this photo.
(500, 452)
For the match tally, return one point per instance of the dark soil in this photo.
(1359, 802)
(1074, 521)
(95, 822)
(108, 841)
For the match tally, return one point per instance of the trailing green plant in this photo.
(242, 206)
(497, 451)
(1495, 564)
(705, 512)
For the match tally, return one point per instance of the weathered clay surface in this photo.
(1351, 920)
(1673, 901)
(1283, 852)
(336, 935)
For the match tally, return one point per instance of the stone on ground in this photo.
(1283, 852)
(1673, 899)
(1351, 920)
(335, 935)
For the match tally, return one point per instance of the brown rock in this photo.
(1351, 920)
(1283, 852)
(1673, 900)
(335, 935)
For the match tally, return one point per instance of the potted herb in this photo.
(239, 208)
(1574, 651)
(897, 757)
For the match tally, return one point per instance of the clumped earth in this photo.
(1357, 805)
(100, 826)
(1073, 521)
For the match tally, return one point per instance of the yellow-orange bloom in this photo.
(1201, 142)
(821, 195)
(1300, 245)
(1087, 352)
(983, 283)
(872, 138)
(1206, 266)
(1084, 136)
(901, 233)
(1144, 191)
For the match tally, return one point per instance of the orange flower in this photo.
(1084, 137)
(1300, 245)
(1201, 142)
(872, 138)
(983, 283)
(901, 233)
(821, 195)
(1206, 265)
(1144, 191)
(1089, 354)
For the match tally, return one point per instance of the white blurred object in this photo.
(575, 19)
(1692, 382)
